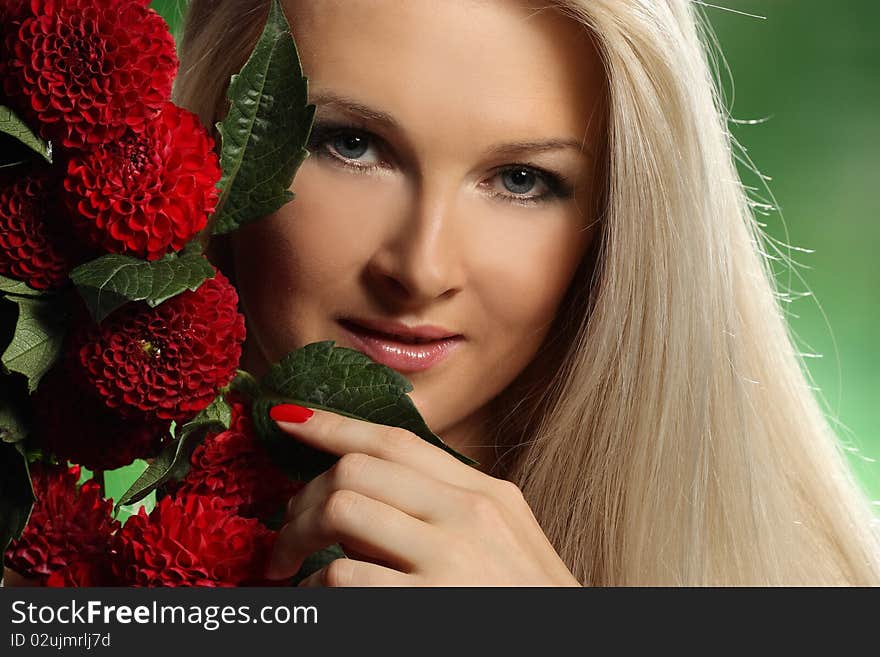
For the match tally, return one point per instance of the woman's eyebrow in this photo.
(332, 99)
(542, 146)
(354, 107)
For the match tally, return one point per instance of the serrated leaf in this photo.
(342, 380)
(16, 496)
(193, 247)
(37, 341)
(217, 412)
(13, 126)
(113, 280)
(10, 286)
(9, 310)
(266, 129)
(173, 462)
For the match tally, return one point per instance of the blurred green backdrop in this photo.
(810, 69)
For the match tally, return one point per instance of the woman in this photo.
(552, 184)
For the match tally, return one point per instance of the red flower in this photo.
(169, 361)
(94, 572)
(68, 526)
(148, 193)
(234, 467)
(89, 70)
(191, 540)
(77, 426)
(11, 12)
(29, 249)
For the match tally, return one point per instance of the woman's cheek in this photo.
(524, 278)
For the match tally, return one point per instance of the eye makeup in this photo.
(325, 133)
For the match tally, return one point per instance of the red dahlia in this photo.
(191, 540)
(169, 361)
(148, 193)
(69, 527)
(29, 249)
(89, 70)
(235, 468)
(93, 572)
(74, 424)
(11, 12)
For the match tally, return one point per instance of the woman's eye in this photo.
(351, 148)
(519, 181)
(527, 185)
(350, 145)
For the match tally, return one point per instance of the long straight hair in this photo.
(678, 441)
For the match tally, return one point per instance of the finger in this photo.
(351, 572)
(339, 435)
(371, 527)
(399, 486)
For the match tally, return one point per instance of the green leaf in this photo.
(10, 286)
(13, 428)
(217, 412)
(317, 560)
(113, 280)
(9, 310)
(193, 247)
(16, 496)
(266, 129)
(11, 125)
(39, 334)
(342, 380)
(118, 481)
(245, 383)
(173, 462)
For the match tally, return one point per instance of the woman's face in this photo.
(449, 184)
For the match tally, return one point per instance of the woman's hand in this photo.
(411, 514)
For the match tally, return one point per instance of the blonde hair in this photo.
(678, 441)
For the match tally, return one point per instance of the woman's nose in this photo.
(419, 260)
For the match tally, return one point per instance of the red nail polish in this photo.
(290, 413)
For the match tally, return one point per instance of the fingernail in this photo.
(290, 413)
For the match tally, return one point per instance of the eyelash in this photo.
(322, 133)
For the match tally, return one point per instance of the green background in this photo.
(810, 69)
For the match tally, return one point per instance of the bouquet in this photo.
(120, 341)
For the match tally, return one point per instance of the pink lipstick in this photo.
(401, 347)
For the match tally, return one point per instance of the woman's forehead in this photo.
(469, 64)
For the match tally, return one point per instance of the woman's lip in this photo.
(395, 329)
(399, 355)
